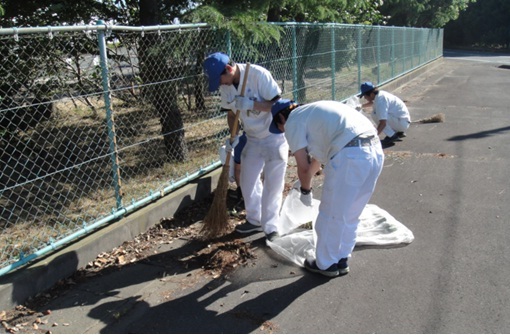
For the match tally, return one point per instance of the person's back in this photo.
(395, 106)
(352, 161)
(333, 124)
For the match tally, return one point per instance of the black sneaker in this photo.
(401, 134)
(272, 236)
(248, 228)
(236, 194)
(332, 271)
(343, 268)
(389, 140)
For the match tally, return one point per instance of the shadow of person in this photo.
(230, 308)
(481, 134)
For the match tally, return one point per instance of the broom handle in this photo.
(233, 132)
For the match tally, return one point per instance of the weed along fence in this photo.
(97, 121)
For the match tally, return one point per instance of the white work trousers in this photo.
(263, 199)
(393, 124)
(349, 181)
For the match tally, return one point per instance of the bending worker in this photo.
(389, 112)
(346, 141)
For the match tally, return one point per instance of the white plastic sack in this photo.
(354, 102)
(377, 228)
(295, 214)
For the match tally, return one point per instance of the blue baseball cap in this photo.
(277, 107)
(366, 87)
(214, 65)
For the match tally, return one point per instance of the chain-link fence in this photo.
(98, 121)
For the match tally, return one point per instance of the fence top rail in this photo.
(101, 26)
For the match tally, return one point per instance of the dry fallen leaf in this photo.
(121, 260)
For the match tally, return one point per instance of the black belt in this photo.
(361, 141)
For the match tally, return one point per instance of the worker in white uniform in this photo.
(346, 142)
(389, 112)
(264, 153)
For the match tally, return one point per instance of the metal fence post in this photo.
(392, 52)
(378, 54)
(359, 50)
(333, 62)
(294, 63)
(404, 49)
(109, 115)
(412, 48)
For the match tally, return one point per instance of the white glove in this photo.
(229, 147)
(244, 103)
(230, 105)
(306, 199)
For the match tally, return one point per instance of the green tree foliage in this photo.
(423, 13)
(484, 24)
(30, 13)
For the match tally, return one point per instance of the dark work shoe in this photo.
(248, 228)
(236, 195)
(332, 271)
(343, 268)
(389, 140)
(401, 134)
(272, 236)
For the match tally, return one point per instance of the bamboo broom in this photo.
(215, 222)
(436, 118)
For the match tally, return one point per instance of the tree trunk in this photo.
(164, 97)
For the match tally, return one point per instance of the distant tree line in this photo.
(484, 24)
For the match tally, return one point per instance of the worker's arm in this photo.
(306, 168)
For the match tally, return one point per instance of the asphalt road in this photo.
(447, 182)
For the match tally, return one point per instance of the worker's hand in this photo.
(305, 196)
(244, 103)
(231, 105)
(229, 147)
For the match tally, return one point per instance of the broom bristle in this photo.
(216, 220)
(433, 119)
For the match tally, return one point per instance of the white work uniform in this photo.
(351, 173)
(392, 109)
(264, 152)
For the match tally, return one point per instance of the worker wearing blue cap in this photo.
(346, 142)
(389, 112)
(264, 152)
